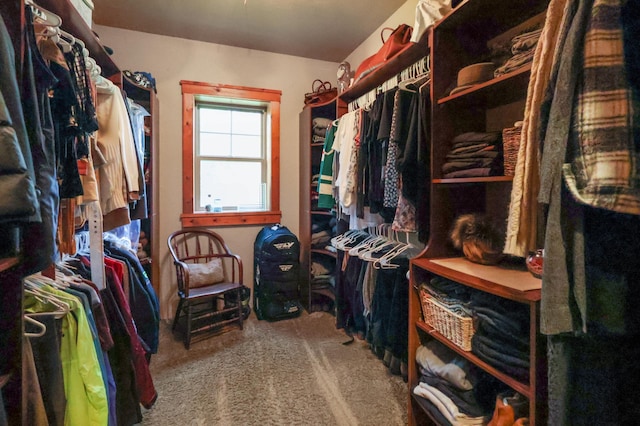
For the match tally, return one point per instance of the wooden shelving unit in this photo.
(146, 97)
(464, 37)
(310, 157)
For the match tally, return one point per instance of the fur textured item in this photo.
(478, 239)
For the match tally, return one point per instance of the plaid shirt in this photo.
(86, 116)
(603, 162)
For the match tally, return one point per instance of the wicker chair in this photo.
(209, 282)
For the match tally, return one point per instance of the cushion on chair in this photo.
(202, 274)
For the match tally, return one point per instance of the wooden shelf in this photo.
(310, 158)
(405, 58)
(491, 15)
(324, 252)
(136, 91)
(8, 263)
(322, 212)
(325, 290)
(523, 388)
(498, 91)
(328, 103)
(486, 179)
(422, 403)
(512, 284)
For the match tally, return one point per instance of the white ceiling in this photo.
(320, 29)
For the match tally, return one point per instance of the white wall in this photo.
(170, 60)
(404, 15)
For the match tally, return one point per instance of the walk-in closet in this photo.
(398, 212)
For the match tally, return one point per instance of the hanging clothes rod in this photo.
(419, 68)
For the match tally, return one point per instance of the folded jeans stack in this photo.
(450, 294)
(502, 334)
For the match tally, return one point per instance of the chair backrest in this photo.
(198, 245)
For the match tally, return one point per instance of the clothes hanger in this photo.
(407, 249)
(338, 239)
(123, 243)
(39, 279)
(375, 239)
(68, 37)
(366, 243)
(354, 237)
(62, 297)
(385, 241)
(355, 240)
(82, 242)
(42, 15)
(67, 279)
(49, 32)
(42, 329)
(384, 262)
(368, 255)
(64, 267)
(62, 308)
(416, 75)
(65, 40)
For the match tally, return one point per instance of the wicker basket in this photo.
(510, 146)
(455, 327)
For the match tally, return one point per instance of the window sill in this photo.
(191, 220)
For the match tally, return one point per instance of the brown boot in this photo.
(519, 403)
(502, 415)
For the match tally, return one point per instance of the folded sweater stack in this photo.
(474, 154)
(522, 48)
(458, 393)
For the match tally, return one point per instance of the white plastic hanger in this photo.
(65, 41)
(43, 16)
(407, 249)
(61, 307)
(41, 327)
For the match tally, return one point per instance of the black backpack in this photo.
(276, 271)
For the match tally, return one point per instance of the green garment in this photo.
(325, 183)
(83, 384)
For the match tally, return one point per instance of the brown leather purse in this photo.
(321, 92)
(397, 41)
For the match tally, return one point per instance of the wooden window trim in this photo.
(190, 91)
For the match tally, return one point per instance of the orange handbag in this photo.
(397, 41)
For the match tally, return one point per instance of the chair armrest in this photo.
(182, 274)
(238, 260)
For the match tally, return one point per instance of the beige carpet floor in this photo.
(290, 372)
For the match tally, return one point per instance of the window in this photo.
(231, 150)
(230, 141)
